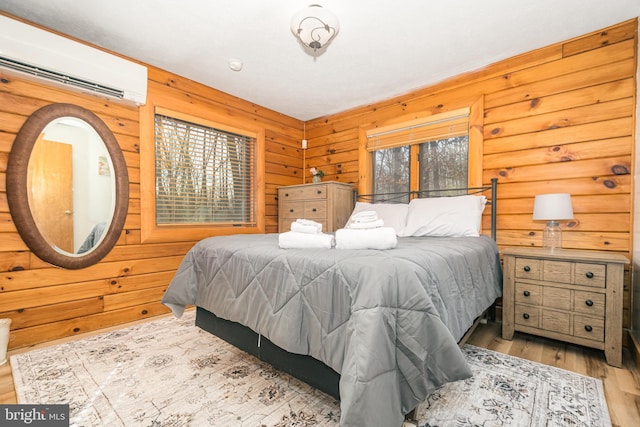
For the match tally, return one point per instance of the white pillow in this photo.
(455, 216)
(394, 215)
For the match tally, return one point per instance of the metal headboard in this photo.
(405, 196)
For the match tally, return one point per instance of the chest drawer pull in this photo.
(313, 210)
(319, 192)
(589, 275)
(286, 194)
(527, 268)
(526, 293)
(588, 328)
(291, 210)
(525, 315)
(589, 303)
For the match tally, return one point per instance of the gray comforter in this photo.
(387, 321)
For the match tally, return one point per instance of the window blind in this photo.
(441, 126)
(204, 175)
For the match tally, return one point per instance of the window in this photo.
(391, 170)
(430, 153)
(204, 175)
(441, 164)
(444, 163)
(200, 176)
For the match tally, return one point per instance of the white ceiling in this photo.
(383, 49)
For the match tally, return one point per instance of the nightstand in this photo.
(329, 203)
(569, 295)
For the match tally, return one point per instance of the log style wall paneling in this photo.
(557, 119)
(560, 118)
(46, 302)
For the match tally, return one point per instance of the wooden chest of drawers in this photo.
(569, 295)
(329, 203)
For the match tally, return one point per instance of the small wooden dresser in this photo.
(329, 203)
(569, 295)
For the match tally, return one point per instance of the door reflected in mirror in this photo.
(71, 188)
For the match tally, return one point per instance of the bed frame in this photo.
(306, 368)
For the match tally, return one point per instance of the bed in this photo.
(377, 329)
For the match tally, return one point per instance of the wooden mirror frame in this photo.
(17, 191)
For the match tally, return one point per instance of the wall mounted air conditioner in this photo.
(38, 54)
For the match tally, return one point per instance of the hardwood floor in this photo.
(622, 386)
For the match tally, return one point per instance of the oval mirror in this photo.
(67, 186)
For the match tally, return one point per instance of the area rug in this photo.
(167, 372)
(510, 391)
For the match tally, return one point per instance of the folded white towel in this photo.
(308, 222)
(364, 216)
(294, 240)
(365, 225)
(299, 227)
(375, 238)
(365, 221)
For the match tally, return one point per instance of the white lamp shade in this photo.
(552, 207)
(314, 26)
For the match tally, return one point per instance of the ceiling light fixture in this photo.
(314, 27)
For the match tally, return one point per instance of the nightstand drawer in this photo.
(590, 275)
(527, 293)
(556, 321)
(591, 303)
(527, 315)
(591, 328)
(314, 210)
(557, 271)
(527, 268)
(305, 193)
(558, 298)
(292, 210)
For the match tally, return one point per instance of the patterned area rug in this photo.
(169, 373)
(509, 391)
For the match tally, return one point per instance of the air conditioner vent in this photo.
(59, 77)
(36, 54)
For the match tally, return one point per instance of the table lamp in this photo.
(552, 208)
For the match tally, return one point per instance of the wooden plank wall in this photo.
(557, 119)
(47, 303)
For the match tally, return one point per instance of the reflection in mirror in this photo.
(71, 189)
(67, 186)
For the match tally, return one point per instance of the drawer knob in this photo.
(525, 315)
(589, 275)
(319, 192)
(286, 194)
(526, 293)
(290, 210)
(588, 328)
(313, 210)
(527, 268)
(589, 302)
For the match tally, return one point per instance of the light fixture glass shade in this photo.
(314, 26)
(552, 207)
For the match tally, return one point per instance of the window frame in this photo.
(150, 232)
(476, 140)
